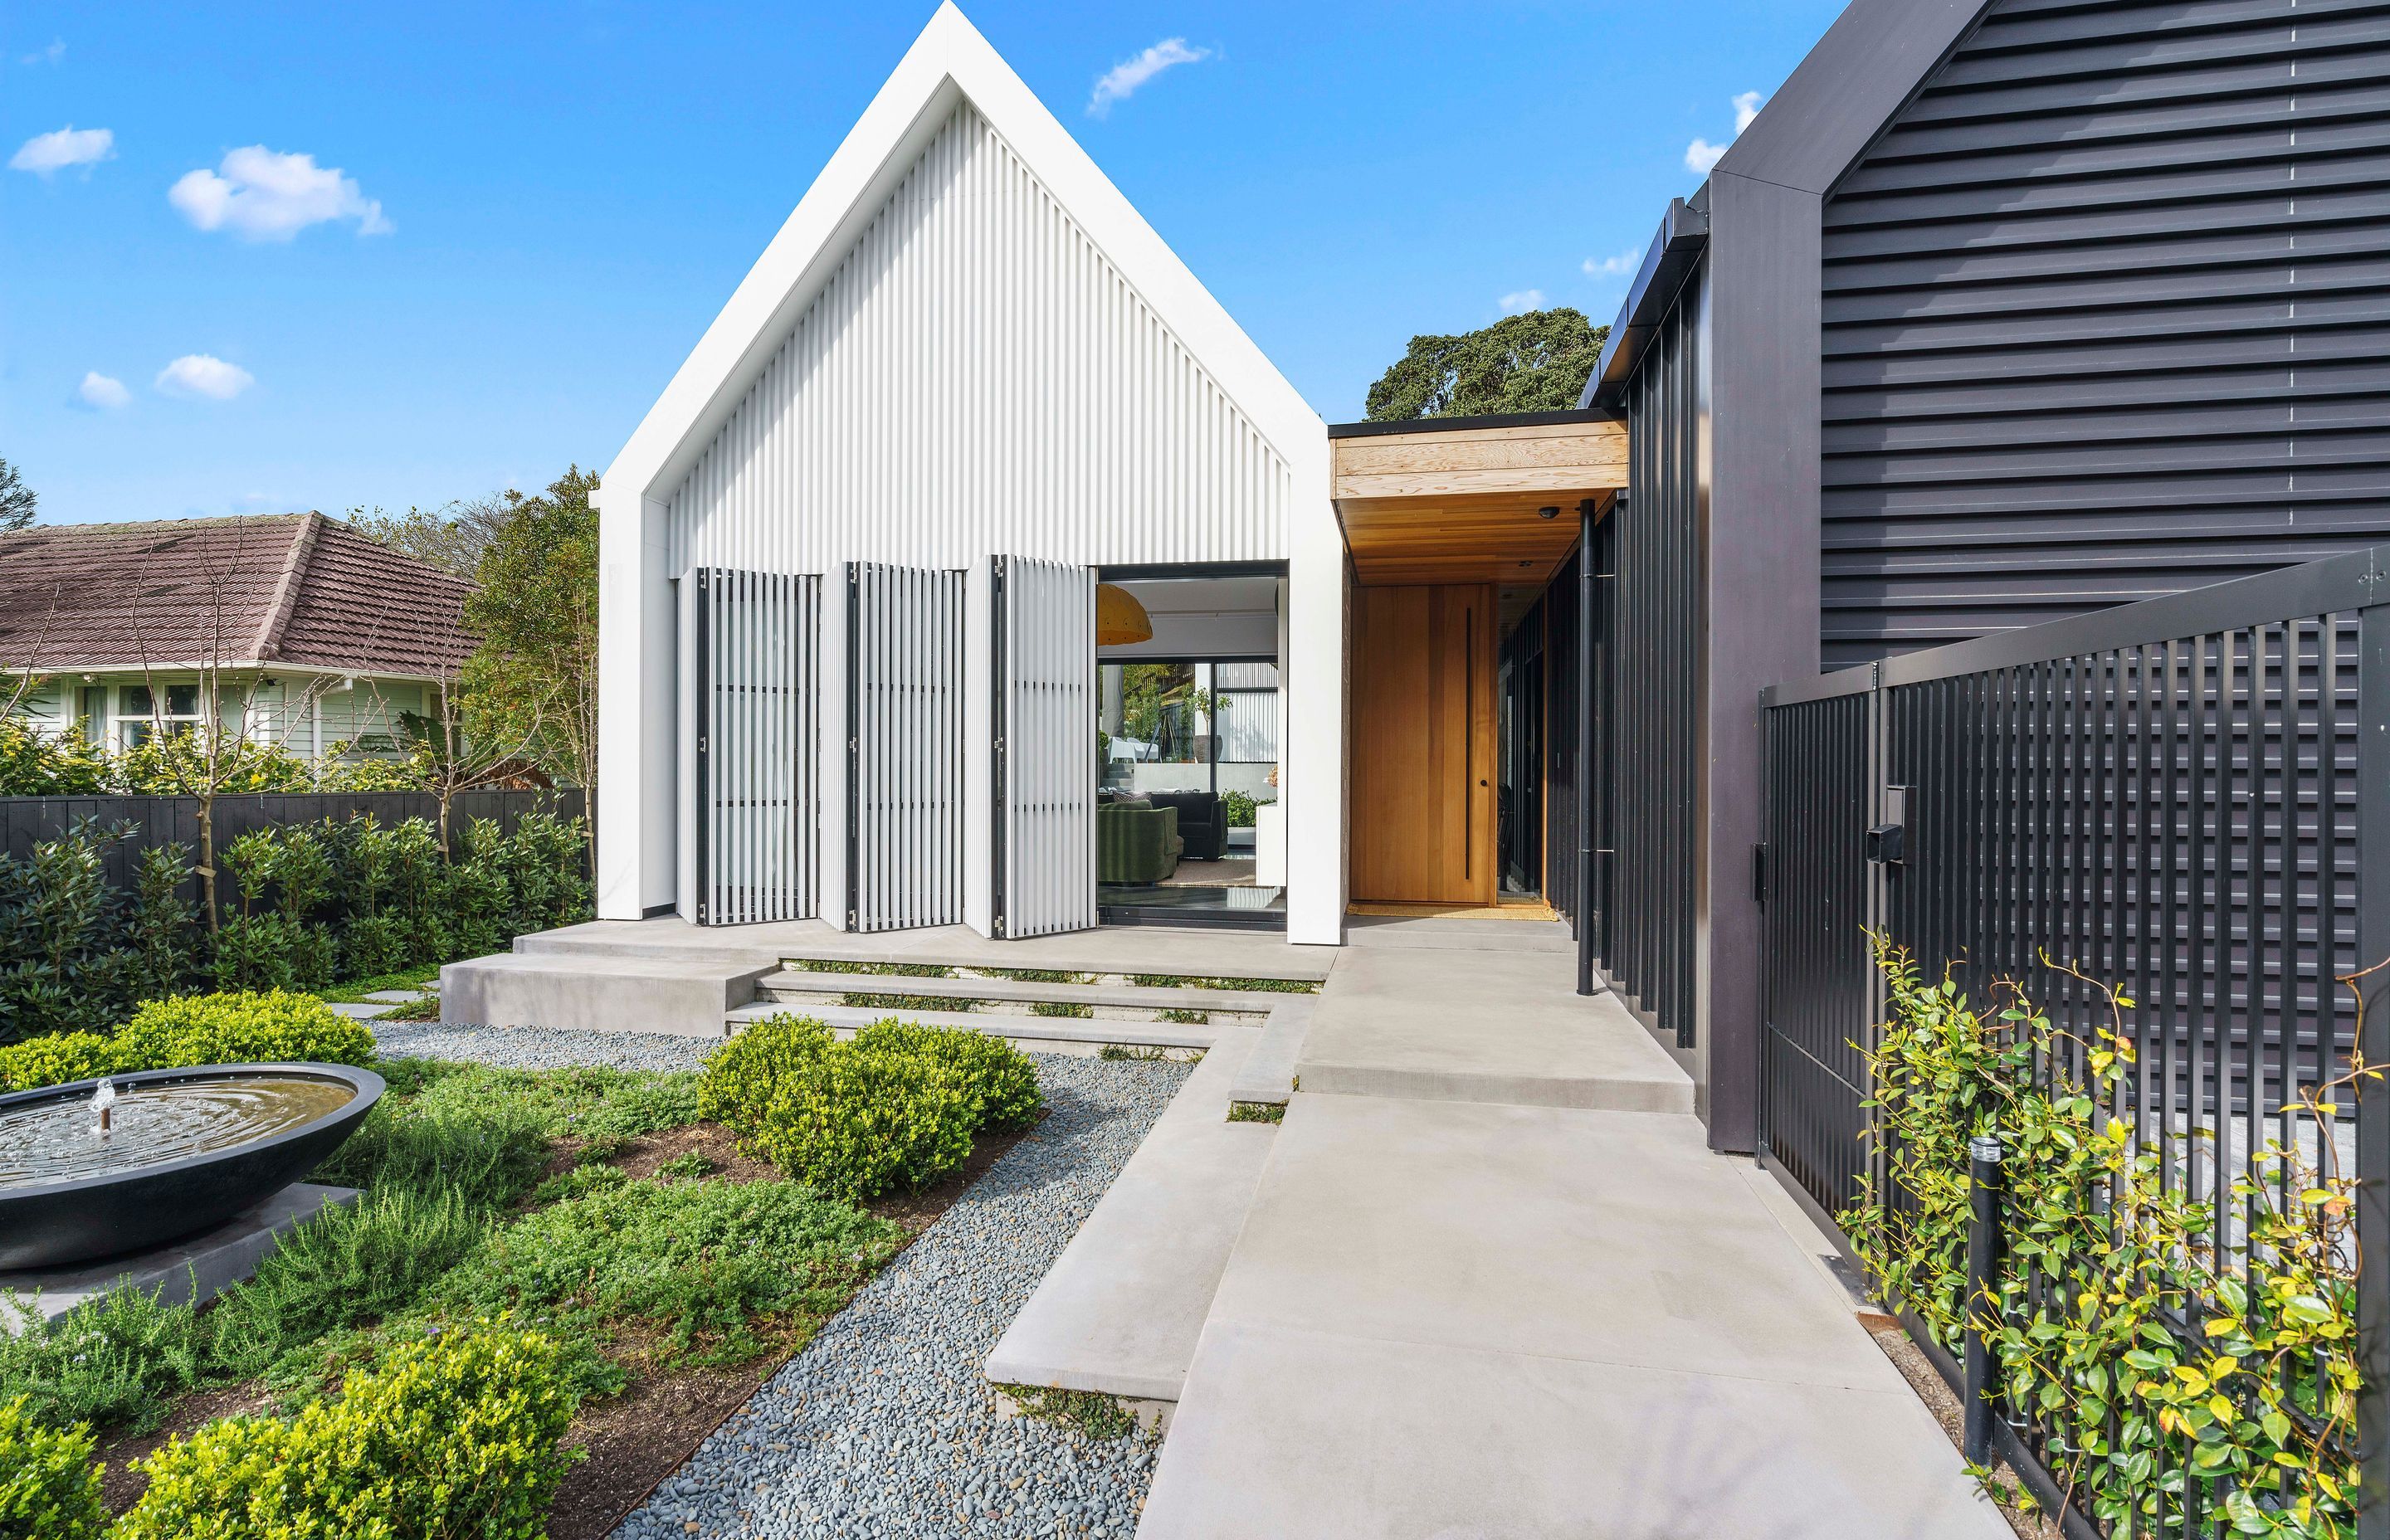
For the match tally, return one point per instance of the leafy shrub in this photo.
(58, 1059)
(454, 1436)
(110, 1360)
(861, 1122)
(999, 1080)
(239, 1027)
(35, 763)
(696, 1260)
(63, 965)
(49, 1489)
(348, 1265)
(743, 1075)
(1242, 805)
(486, 1155)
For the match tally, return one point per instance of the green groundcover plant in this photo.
(2177, 1366)
(894, 1109)
(237, 1027)
(49, 1490)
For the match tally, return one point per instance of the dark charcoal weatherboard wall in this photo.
(2105, 310)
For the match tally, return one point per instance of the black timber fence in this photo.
(2186, 797)
(152, 821)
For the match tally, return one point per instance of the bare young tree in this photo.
(467, 742)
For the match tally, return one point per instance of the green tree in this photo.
(532, 677)
(452, 537)
(1537, 361)
(17, 499)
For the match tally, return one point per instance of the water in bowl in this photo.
(58, 1141)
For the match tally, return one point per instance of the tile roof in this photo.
(294, 588)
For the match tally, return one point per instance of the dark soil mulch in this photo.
(121, 1486)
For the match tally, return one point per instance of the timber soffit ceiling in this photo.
(1462, 499)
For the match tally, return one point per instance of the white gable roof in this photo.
(950, 62)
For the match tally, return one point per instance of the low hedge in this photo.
(894, 1109)
(235, 1028)
(453, 1436)
(49, 1489)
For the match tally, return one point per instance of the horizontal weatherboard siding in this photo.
(2105, 316)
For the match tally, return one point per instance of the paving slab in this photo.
(1090, 1033)
(190, 1271)
(597, 992)
(1483, 1025)
(790, 984)
(1455, 1319)
(1267, 1074)
(1121, 1308)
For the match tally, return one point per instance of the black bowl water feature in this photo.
(132, 1162)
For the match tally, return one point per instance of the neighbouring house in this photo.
(1996, 314)
(307, 634)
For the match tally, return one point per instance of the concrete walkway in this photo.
(1503, 1305)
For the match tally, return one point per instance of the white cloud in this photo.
(47, 154)
(51, 55)
(101, 392)
(204, 375)
(1525, 298)
(1619, 266)
(1701, 156)
(261, 194)
(1120, 82)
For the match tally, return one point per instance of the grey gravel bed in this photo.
(883, 1428)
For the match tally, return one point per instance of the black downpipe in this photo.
(1983, 1247)
(1585, 768)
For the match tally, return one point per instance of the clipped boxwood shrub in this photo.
(1000, 1081)
(454, 1436)
(49, 1489)
(742, 1076)
(861, 1122)
(55, 1060)
(239, 1027)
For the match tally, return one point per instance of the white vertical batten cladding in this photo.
(977, 377)
(1046, 685)
(965, 340)
(906, 793)
(752, 656)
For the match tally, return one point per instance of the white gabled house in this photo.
(854, 664)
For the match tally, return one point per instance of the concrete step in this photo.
(597, 992)
(1459, 935)
(1266, 1076)
(1109, 1002)
(1121, 1308)
(1100, 963)
(1065, 1034)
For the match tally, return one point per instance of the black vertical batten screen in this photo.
(1561, 809)
(1655, 616)
(2188, 798)
(2103, 310)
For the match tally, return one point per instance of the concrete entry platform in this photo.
(1446, 1319)
(190, 1271)
(1481, 1011)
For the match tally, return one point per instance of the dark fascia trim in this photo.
(1456, 425)
(1154, 571)
(1836, 102)
(1667, 262)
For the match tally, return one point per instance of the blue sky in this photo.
(318, 256)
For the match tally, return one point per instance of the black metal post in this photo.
(2373, 1098)
(1585, 768)
(1983, 1247)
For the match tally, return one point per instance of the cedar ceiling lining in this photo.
(1459, 505)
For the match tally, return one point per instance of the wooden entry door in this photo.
(1423, 745)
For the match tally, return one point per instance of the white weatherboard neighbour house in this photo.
(858, 536)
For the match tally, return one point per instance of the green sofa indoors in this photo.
(1135, 842)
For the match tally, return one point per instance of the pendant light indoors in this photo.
(1120, 619)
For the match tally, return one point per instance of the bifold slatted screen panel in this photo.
(1046, 727)
(904, 726)
(758, 754)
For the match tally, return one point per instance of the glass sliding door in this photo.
(1188, 754)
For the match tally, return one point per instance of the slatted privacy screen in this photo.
(1044, 618)
(904, 746)
(2188, 799)
(758, 641)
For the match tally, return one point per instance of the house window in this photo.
(142, 712)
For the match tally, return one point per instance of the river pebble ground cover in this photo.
(883, 1427)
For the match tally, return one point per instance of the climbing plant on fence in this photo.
(2191, 1364)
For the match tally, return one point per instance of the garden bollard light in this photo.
(1983, 1156)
